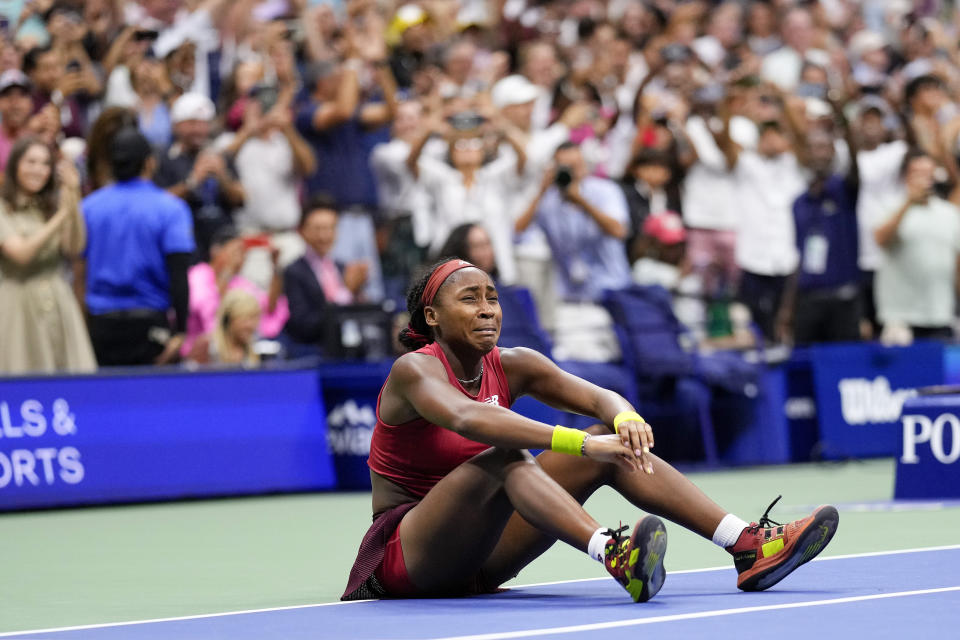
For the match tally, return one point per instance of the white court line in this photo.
(106, 625)
(947, 547)
(531, 633)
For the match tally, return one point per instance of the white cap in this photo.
(192, 106)
(863, 42)
(515, 89)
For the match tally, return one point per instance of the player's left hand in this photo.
(638, 436)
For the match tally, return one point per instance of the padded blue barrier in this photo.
(860, 390)
(150, 435)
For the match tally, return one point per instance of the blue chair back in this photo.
(649, 332)
(521, 326)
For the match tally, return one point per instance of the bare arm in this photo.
(531, 373)
(73, 236)
(381, 113)
(794, 114)
(304, 160)
(341, 109)
(413, 160)
(115, 53)
(886, 234)
(418, 387)
(514, 138)
(730, 149)
(527, 217)
(23, 249)
(609, 225)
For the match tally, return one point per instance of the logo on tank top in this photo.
(494, 399)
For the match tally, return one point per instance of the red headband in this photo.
(438, 277)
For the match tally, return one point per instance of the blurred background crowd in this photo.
(234, 181)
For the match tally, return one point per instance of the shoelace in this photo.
(765, 521)
(616, 534)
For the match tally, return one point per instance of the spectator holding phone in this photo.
(211, 281)
(16, 105)
(916, 282)
(126, 51)
(471, 186)
(56, 89)
(152, 86)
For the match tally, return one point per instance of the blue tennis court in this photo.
(888, 594)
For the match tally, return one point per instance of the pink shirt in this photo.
(205, 299)
(328, 275)
(6, 146)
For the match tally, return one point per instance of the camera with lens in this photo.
(564, 176)
(466, 120)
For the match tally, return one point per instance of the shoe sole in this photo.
(811, 542)
(650, 540)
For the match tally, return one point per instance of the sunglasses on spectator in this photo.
(468, 144)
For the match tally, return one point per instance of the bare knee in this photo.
(499, 463)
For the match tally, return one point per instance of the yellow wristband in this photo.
(623, 416)
(569, 441)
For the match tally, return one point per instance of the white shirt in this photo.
(765, 191)
(397, 190)
(915, 277)
(881, 193)
(783, 66)
(542, 110)
(709, 195)
(266, 171)
(484, 203)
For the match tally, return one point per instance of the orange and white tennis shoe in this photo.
(767, 552)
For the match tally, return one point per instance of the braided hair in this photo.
(418, 333)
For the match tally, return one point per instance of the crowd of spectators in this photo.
(218, 181)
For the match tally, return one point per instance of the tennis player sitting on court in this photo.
(460, 506)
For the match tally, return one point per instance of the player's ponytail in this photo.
(417, 333)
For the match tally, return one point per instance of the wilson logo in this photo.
(865, 401)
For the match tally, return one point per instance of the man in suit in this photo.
(315, 281)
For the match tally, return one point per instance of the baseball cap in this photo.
(515, 89)
(14, 78)
(864, 41)
(192, 106)
(666, 227)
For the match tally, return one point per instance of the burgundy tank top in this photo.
(418, 454)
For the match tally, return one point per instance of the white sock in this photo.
(597, 543)
(729, 530)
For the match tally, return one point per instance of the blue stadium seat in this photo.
(521, 328)
(651, 339)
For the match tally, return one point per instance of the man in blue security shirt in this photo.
(140, 242)
(822, 301)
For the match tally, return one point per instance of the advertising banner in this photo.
(929, 461)
(121, 438)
